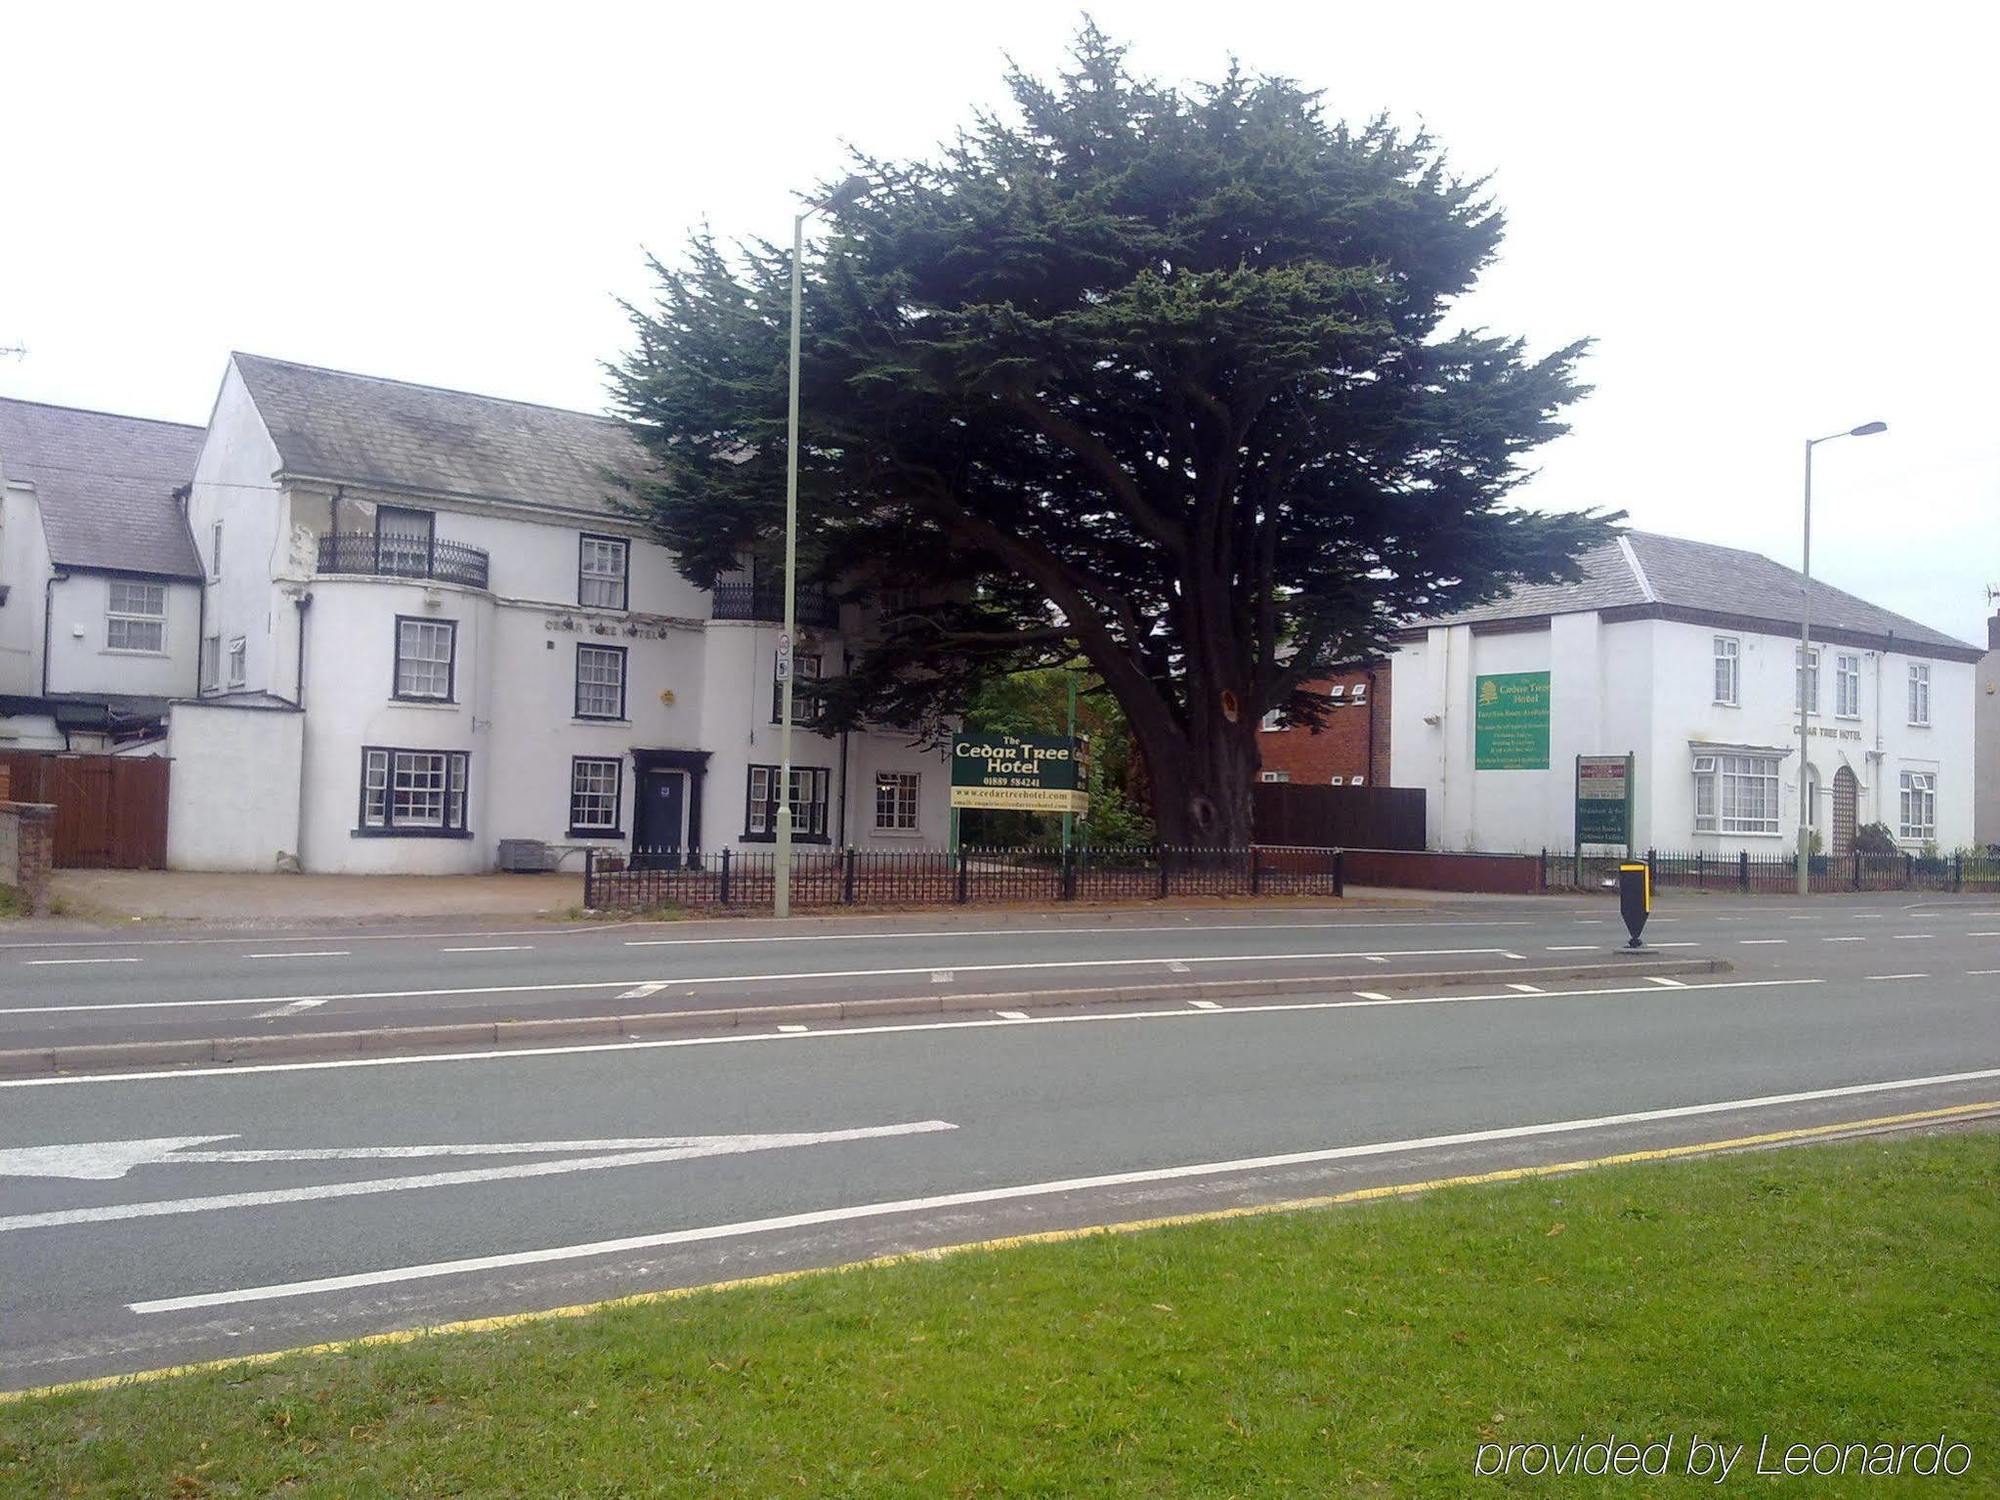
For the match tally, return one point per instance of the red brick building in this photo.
(1351, 749)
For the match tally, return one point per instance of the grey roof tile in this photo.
(1676, 573)
(365, 430)
(105, 485)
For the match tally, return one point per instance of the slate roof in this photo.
(1644, 571)
(105, 485)
(328, 424)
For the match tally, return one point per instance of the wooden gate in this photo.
(111, 810)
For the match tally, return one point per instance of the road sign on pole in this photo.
(1604, 800)
(784, 657)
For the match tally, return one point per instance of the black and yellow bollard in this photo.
(1635, 898)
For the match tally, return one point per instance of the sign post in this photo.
(1604, 800)
(1029, 773)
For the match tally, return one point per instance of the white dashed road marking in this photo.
(493, 948)
(310, 953)
(41, 963)
(1528, 989)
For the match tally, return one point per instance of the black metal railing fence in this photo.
(1769, 874)
(646, 880)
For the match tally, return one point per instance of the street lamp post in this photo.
(846, 193)
(1866, 429)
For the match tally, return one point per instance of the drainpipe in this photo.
(185, 495)
(48, 617)
(840, 840)
(302, 604)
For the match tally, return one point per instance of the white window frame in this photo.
(129, 608)
(1274, 776)
(1728, 685)
(1917, 807)
(414, 793)
(599, 585)
(811, 797)
(1847, 686)
(1805, 679)
(595, 682)
(239, 661)
(1357, 781)
(211, 663)
(1920, 694)
(215, 552)
(588, 792)
(1337, 781)
(898, 801)
(418, 666)
(1736, 792)
(1272, 722)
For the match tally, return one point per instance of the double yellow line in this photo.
(1044, 1237)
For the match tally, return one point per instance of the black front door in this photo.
(656, 827)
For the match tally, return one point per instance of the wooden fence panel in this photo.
(1340, 817)
(111, 810)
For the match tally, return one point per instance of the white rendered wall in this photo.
(1986, 750)
(24, 568)
(233, 793)
(233, 484)
(81, 659)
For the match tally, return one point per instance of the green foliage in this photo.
(1163, 378)
(1874, 838)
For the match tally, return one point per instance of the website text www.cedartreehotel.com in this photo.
(1702, 1456)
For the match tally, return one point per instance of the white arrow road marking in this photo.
(641, 991)
(860, 1211)
(284, 1010)
(105, 1159)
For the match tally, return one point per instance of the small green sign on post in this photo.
(1604, 800)
(1026, 772)
(1510, 722)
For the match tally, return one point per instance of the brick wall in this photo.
(1354, 741)
(27, 851)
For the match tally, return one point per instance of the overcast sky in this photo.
(1776, 221)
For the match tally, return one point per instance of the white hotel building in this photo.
(426, 630)
(1686, 656)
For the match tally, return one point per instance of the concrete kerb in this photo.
(322, 1045)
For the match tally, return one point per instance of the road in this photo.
(155, 1218)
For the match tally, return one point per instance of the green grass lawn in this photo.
(1833, 1293)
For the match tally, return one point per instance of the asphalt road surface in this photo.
(184, 1214)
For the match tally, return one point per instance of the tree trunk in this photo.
(1201, 785)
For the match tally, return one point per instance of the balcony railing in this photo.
(366, 553)
(766, 601)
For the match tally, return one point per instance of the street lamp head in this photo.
(1868, 429)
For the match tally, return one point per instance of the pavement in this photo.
(153, 1217)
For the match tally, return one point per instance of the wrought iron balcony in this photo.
(766, 601)
(388, 556)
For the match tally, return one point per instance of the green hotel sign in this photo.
(1510, 722)
(1027, 772)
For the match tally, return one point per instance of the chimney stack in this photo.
(1993, 632)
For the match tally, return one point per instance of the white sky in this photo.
(1778, 221)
